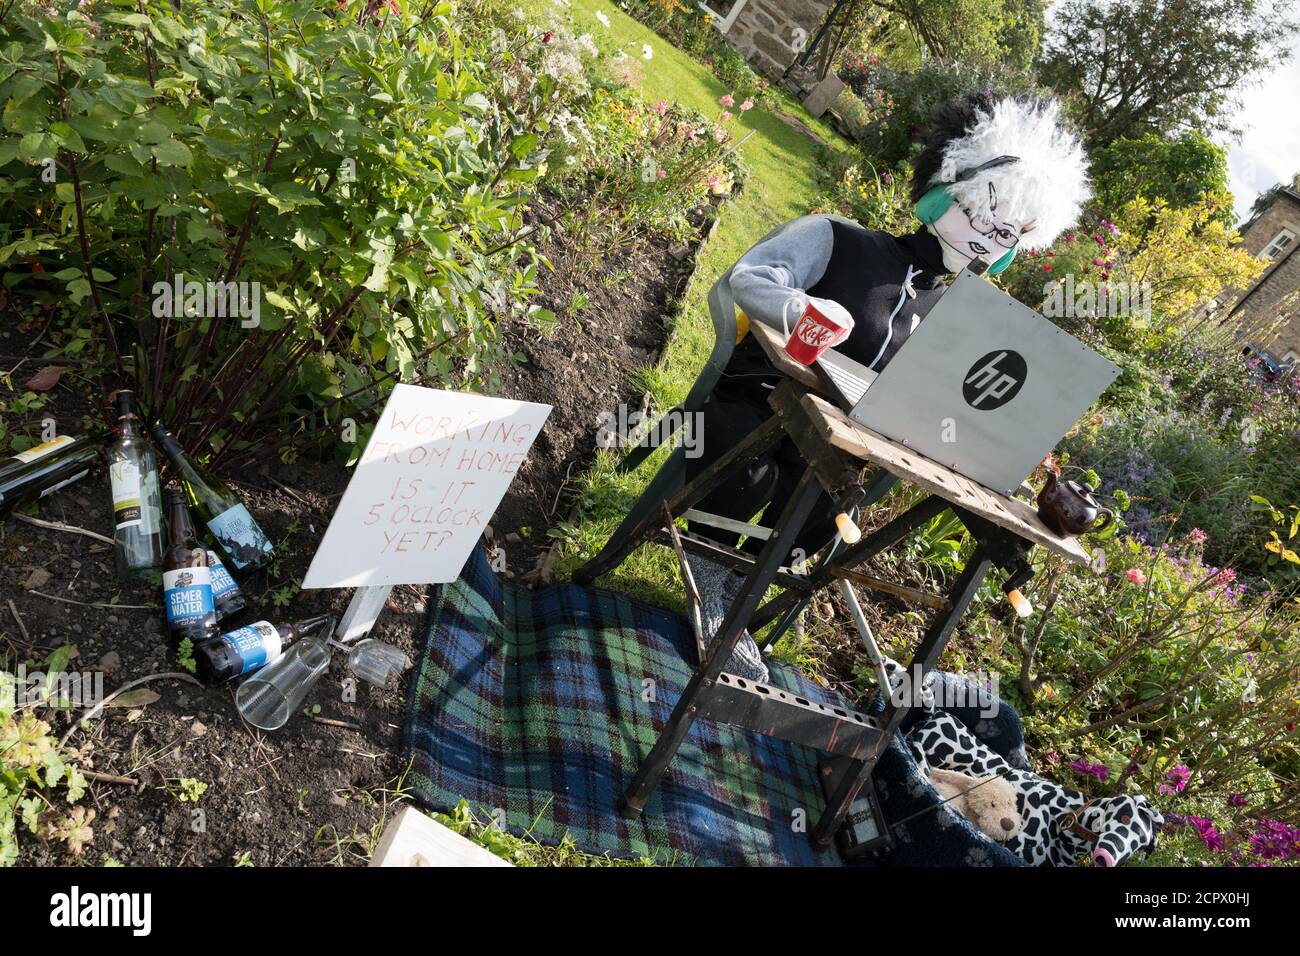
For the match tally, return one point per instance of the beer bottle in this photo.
(225, 592)
(187, 579)
(137, 499)
(226, 517)
(246, 649)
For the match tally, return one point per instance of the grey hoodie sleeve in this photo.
(780, 269)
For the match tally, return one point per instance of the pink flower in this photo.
(746, 106)
(713, 182)
(1135, 576)
(661, 108)
(719, 134)
(1196, 536)
(724, 116)
(1226, 576)
(726, 100)
(662, 174)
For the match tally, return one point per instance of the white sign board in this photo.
(434, 471)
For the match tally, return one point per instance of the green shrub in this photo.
(367, 170)
(1164, 660)
(901, 103)
(877, 200)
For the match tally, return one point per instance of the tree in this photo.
(1005, 31)
(1154, 66)
(1181, 170)
(1184, 256)
(1265, 199)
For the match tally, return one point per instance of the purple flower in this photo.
(1274, 840)
(1208, 834)
(1236, 800)
(1098, 770)
(1177, 777)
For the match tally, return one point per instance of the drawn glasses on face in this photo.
(1001, 234)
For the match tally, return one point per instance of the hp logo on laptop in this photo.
(994, 379)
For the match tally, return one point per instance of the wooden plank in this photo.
(772, 341)
(362, 612)
(413, 839)
(1016, 516)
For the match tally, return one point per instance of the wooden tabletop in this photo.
(837, 429)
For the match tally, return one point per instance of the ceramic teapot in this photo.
(1069, 508)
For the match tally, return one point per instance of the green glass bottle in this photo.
(137, 499)
(242, 542)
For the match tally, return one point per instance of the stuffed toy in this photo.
(989, 802)
(1059, 825)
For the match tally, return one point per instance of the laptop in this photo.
(984, 385)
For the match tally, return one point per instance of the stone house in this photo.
(1267, 313)
(769, 33)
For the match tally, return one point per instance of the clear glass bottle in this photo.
(137, 498)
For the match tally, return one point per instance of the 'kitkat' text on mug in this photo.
(822, 325)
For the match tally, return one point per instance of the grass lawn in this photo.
(782, 185)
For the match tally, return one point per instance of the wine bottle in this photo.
(226, 517)
(225, 592)
(44, 469)
(240, 651)
(137, 499)
(187, 580)
(25, 460)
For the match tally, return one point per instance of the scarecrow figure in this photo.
(994, 169)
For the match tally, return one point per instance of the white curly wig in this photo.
(1034, 169)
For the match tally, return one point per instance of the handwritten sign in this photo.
(434, 471)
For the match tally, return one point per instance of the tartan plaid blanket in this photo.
(541, 704)
(537, 707)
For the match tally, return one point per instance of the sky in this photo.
(1269, 149)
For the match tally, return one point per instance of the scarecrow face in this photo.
(967, 233)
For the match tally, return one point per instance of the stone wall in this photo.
(771, 33)
(1277, 293)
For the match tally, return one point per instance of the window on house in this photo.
(724, 12)
(1281, 242)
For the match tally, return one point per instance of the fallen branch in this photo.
(99, 708)
(27, 638)
(60, 526)
(128, 607)
(331, 722)
(109, 777)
